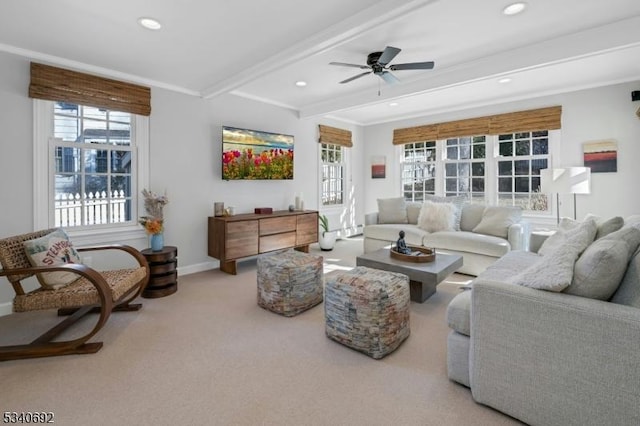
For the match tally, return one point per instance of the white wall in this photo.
(185, 161)
(587, 115)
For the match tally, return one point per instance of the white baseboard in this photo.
(198, 267)
(6, 308)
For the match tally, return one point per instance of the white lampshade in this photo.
(568, 180)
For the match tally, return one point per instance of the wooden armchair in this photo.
(93, 292)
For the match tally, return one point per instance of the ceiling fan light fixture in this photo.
(514, 8)
(150, 23)
(301, 83)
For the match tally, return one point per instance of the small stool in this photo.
(367, 310)
(289, 282)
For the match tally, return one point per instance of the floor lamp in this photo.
(567, 180)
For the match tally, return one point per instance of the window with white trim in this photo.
(464, 167)
(418, 168)
(88, 171)
(520, 158)
(94, 165)
(332, 158)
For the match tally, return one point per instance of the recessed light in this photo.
(394, 104)
(504, 80)
(514, 8)
(149, 23)
(301, 83)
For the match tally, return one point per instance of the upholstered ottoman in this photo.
(367, 310)
(289, 282)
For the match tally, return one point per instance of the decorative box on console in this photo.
(263, 210)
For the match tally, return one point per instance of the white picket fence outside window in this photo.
(74, 209)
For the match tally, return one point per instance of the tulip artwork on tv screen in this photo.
(252, 154)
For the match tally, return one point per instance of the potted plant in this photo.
(327, 238)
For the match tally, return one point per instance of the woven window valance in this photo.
(335, 136)
(57, 84)
(521, 121)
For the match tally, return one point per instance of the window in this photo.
(418, 170)
(94, 159)
(333, 174)
(465, 167)
(88, 171)
(520, 158)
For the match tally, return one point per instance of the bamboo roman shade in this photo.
(57, 84)
(521, 121)
(335, 136)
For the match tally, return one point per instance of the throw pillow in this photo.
(599, 270)
(413, 211)
(50, 250)
(392, 210)
(496, 220)
(581, 232)
(553, 272)
(471, 216)
(606, 227)
(457, 201)
(436, 217)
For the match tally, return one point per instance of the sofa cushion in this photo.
(459, 313)
(471, 216)
(457, 201)
(633, 220)
(509, 265)
(436, 217)
(599, 270)
(467, 242)
(496, 220)
(392, 210)
(605, 227)
(389, 232)
(413, 211)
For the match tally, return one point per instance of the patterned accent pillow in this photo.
(52, 249)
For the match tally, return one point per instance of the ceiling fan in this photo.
(378, 64)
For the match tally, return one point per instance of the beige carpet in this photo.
(209, 355)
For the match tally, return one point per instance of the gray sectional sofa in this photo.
(478, 247)
(551, 357)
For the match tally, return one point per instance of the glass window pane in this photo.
(451, 142)
(506, 137)
(122, 117)
(540, 134)
(463, 185)
(477, 184)
(477, 169)
(522, 184)
(96, 184)
(464, 169)
(535, 184)
(536, 165)
(522, 167)
(505, 168)
(450, 169)
(121, 161)
(506, 149)
(95, 161)
(540, 146)
(479, 151)
(522, 148)
(523, 135)
(452, 153)
(504, 185)
(431, 154)
(430, 185)
(121, 186)
(67, 160)
(451, 184)
(68, 184)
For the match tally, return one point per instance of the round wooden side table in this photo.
(164, 272)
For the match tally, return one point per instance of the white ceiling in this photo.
(259, 49)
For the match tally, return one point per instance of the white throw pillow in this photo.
(436, 217)
(413, 211)
(457, 201)
(392, 210)
(496, 220)
(553, 272)
(51, 250)
(582, 232)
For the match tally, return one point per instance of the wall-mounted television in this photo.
(254, 155)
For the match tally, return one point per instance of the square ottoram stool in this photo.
(289, 282)
(367, 310)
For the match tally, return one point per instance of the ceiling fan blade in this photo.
(413, 66)
(388, 77)
(388, 54)
(342, 64)
(355, 76)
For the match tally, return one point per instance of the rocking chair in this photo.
(93, 292)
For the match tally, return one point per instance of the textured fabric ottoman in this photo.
(289, 282)
(367, 310)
